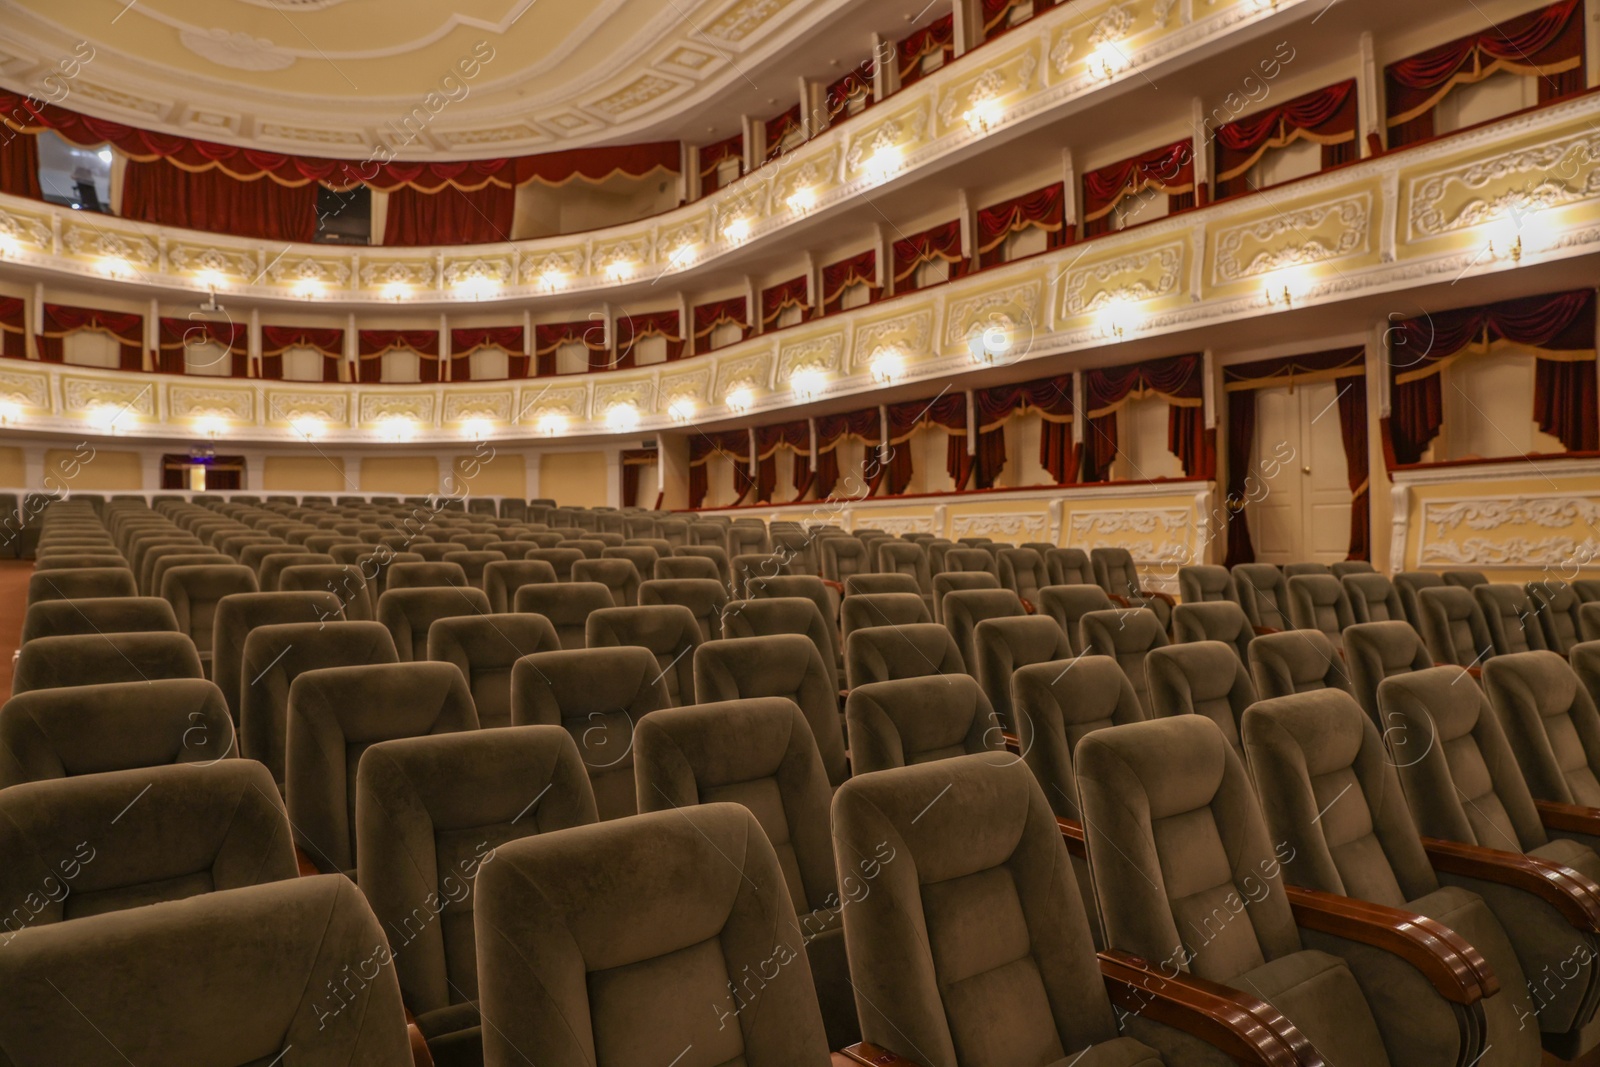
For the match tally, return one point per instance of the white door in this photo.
(1300, 490)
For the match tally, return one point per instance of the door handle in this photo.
(1305, 470)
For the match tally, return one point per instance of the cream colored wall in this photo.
(491, 472)
(413, 475)
(11, 469)
(88, 468)
(314, 474)
(576, 479)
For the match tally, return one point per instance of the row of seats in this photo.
(398, 749)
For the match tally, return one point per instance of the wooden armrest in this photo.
(307, 868)
(1573, 895)
(1027, 606)
(1072, 834)
(837, 587)
(1244, 1027)
(1569, 818)
(1119, 601)
(871, 1056)
(1013, 743)
(1457, 971)
(1150, 594)
(1262, 631)
(420, 1056)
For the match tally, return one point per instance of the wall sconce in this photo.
(551, 424)
(397, 428)
(622, 418)
(9, 245)
(737, 231)
(619, 271)
(885, 162)
(807, 383)
(477, 286)
(553, 280)
(681, 410)
(1107, 61)
(10, 412)
(984, 115)
(306, 289)
(396, 291)
(887, 366)
(740, 399)
(802, 200)
(1285, 298)
(477, 428)
(1515, 254)
(308, 427)
(1116, 319)
(104, 417)
(116, 267)
(681, 257)
(211, 425)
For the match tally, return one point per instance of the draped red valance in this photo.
(770, 440)
(860, 269)
(1042, 209)
(948, 411)
(637, 326)
(1169, 169)
(780, 126)
(1547, 43)
(550, 336)
(1560, 327)
(937, 36)
(841, 93)
(29, 115)
(712, 157)
(13, 327)
(370, 344)
(1049, 398)
(784, 295)
(938, 242)
(1326, 117)
(1181, 381)
(708, 317)
(464, 341)
(19, 164)
(733, 444)
(864, 426)
(61, 320)
(177, 335)
(276, 340)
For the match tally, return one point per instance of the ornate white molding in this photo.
(1523, 531)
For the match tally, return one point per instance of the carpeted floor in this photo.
(14, 575)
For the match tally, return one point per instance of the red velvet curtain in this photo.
(699, 451)
(734, 444)
(775, 300)
(1042, 208)
(372, 344)
(904, 420)
(276, 340)
(1052, 399)
(770, 440)
(19, 164)
(61, 320)
(711, 157)
(1326, 117)
(862, 425)
(1181, 380)
(707, 317)
(549, 336)
(633, 461)
(1560, 324)
(937, 36)
(840, 94)
(1353, 430)
(212, 200)
(450, 216)
(939, 242)
(1241, 443)
(13, 327)
(861, 269)
(465, 341)
(634, 328)
(1169, 169)
(178, 335)
(949, 412)
(1547, 44)
(780, 126)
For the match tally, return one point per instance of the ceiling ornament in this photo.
(236, 50)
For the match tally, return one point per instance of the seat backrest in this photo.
(1264, 595)
(1510, 616)
(1460, 776)
(598, 695)
(1216, 620)
(1127, 635)
(1295, 661)
(598, 919)
(1023, 571)
(1549, 719)
(272, 954)
(881, 609)
(345, 582)
(196, 592)
(502, 579)
(1588, 619)
(239, 613)
(915, 720)
(1068, 604)
(704, 597)
(759, 753)
(1002, 645)
(1069, 566)
(101, 659)
(676, 567)
(1203, 678)
(799, 548)
(1347, 567)
(743, 538)
(783, 615)
(1114, 571)
(1055, 706)
(1173, 840)
(808, 586)
(76, 582)
(971, 559)
(424, 575)
(904, 557)
(484, 648)
(1312, 749)
(274, 656)
(432, 811)
(194, 829)
(272, 567)
(959, 581)
(782, 665)
(1585, 660)
(842, 558)
(868, 584)
(1408, 584)
(408, 613)
(335, 715)
(1200, 583)
(884, 653)
(1318, 602)
(91, 729)
(668, 631)
(617, 575)
(1377, 650)
(1453, 626)
(1560, 614)
(1465, 579)
(964, 609)
(98, 615)
(561, 559)
(1373, 598)
(1294, 570)
(474, 563)
(567, 605)
(160, 563)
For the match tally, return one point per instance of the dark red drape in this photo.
(1557, 323)
(635, 327)
(1547, 44)
(372, 344)
(549, 336)
(1052, 399)
(780, 126)
(938, 242)
(1169, 169)
(711, 157)
(633, 461)
(861, 269)
(707, 317)
(1042, 208)
(1326, 117)
(840, 94)
(178, 335)
(1241, 445)
(464, 341)
(1181, 379)
(937, 36)
(775, 300)
(450, 216)
(276, 340)
(863, 425)
(735, 445)
(13, 327)
(794, 436)
(61, 320)
(1353, 430)
(212, 200)
(19, 164)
